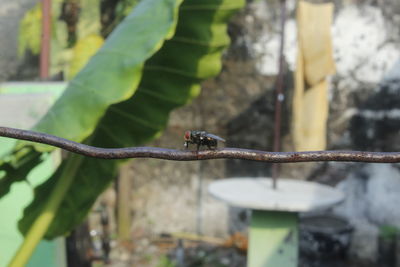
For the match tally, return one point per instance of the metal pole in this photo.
(273, 239)
(279, 96)
(45, 40)
(199, 213)
(124, 193)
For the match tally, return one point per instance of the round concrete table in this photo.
(273, 235)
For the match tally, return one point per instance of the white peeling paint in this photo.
(267, 49)
(361, 45)
(363, 51)
(372, 197)
(380, 114)
(394, 73)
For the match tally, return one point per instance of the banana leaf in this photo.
(152, 63)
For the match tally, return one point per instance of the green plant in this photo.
(388, 232)
(164, 261)
(152, 63)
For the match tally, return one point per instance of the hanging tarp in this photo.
(314, 64)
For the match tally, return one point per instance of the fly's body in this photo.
(202, 138)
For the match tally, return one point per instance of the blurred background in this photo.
(159, 213)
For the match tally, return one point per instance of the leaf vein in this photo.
(132, 117)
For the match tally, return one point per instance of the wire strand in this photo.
(185, 155)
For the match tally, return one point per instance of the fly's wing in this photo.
(213, 136)
(198, 134)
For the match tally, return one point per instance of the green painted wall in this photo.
(12, 205)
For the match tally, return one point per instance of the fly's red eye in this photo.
(187, 135)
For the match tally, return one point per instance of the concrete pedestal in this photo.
(273, 239)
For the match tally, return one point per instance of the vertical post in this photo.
(279, 95)
(273, 239)
(124, 203)
(45, 40)
(199, 213)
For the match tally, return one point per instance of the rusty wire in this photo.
(184, 155)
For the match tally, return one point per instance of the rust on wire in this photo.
(184, 155)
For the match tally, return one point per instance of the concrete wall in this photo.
(238, 105)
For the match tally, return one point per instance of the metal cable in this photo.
(184, 155)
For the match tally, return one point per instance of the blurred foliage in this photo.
(120, 11)
(30, 31)
(89, 18)
(150, 64)
(74, 23)
(83, 50)
(388, 232)
(29, 37)
(124, 7)
(164, 261)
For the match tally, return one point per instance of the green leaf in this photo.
(75, 202)
(107, 105)
(30, 31)
(111, 76)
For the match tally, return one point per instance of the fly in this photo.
(202, 138)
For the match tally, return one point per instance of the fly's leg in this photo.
(212, 145)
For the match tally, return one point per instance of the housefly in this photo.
(202, 138)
